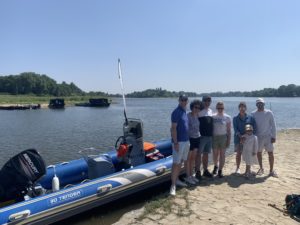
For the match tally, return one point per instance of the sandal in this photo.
(260, 172)
(273, 174)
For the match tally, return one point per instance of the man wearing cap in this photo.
(180, 141)
(266, 134)
(206, 131)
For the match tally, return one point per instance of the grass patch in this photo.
(32, 99)
(162, 205)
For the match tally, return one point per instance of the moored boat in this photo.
(93, 180)
(57, 103)
(95, 102)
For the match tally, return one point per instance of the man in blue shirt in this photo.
(239, 123)
(180, 141)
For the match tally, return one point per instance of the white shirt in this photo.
(220, 124)
(265, 123)
(205, 112)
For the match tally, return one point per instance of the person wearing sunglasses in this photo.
(194, 135)
(206, 131)
(266, 135)
(180, 142)
(221, 138)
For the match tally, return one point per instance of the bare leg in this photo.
(222, 158)
(271, 161)
(205, 161)
(216, 156)
(198, 161)
(238, 159)
(247, 169)
(175, 172)
(188, 166)
(192, 161)
(259, 157)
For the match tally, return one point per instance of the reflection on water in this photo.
(59, 134)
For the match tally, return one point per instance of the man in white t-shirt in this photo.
(266, 134)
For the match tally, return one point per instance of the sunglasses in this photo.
(183, 100)
(220, 108)
(196, 107)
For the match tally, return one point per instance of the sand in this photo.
(232, 199)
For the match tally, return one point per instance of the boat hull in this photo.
(81, 197)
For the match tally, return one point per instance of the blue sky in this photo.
(199, 46)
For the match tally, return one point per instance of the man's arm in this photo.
(174, 135)
(273, 128)
(228, 133)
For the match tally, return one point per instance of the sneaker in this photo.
(207, 174)
(215, 170)
(260, 172)
(273, 174)
(195, 179)
(247, 176)
(179, 183)
(238, 171)
(173, 190)
(190, 180)
(220, 174)
(198, 175)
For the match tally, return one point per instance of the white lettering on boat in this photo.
(65, 198)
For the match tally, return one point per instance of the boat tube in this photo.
(94, 180)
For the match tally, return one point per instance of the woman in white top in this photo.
(250, 148)
(221, 138)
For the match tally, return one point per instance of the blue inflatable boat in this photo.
(93, 180)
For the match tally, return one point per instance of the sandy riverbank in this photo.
(232, 199)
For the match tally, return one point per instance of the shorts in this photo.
(264, 142)
(205, 144)
(238, 147)
(182, 153)
(194, 143)
(219, 141)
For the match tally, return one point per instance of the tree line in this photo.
(37, 84)
(40, 84)
(290, 90)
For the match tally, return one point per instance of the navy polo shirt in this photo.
(179, 116)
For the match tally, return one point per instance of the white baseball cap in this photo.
(260, 100)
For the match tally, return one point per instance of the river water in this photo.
(59, 134)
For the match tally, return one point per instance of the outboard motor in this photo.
(19, 174)
(131, 149)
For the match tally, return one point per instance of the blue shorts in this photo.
(182, 154)
(205, 144)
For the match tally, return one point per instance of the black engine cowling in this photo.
(19, 174)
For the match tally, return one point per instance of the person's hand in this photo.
(176, 147)
(242, 139)
(227, 144)
(273, 140)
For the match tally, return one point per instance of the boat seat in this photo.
(99, 166)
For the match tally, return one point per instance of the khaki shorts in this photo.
(182, 154)
(219, 142)
(264, 142)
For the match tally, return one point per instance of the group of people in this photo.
(195, 133)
